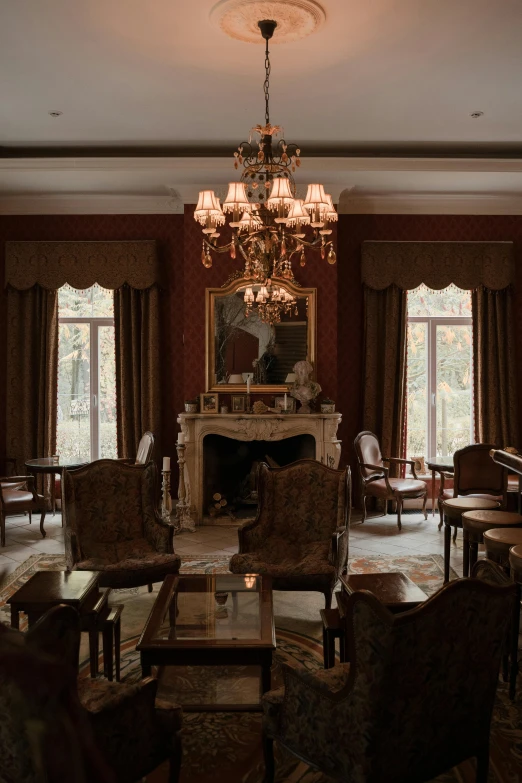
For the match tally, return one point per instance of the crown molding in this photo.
(430, 204)
(91, 204)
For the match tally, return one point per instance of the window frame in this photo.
(432, 321)
(94, 373)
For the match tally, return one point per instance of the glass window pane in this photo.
(73, 424)
(107, 393)
(417, 390)
(94, 302)
(450, 302)
(453, 381)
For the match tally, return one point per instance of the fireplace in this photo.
(230, 467)
(220, 449)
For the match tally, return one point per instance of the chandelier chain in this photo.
(266, 85)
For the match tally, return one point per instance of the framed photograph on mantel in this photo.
(209, 402)
(238, 403)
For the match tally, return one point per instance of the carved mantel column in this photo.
(244, 427)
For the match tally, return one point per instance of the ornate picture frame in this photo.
(237, 403)
(209, 402)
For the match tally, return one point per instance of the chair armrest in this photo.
(27, 480)
(380, 472)
(159, 533)
(378, 468)
(401, 461)
(339, 549)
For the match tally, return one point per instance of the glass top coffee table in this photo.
(218, 620)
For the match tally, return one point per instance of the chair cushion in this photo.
(253, 563)
(515, 560)
(501, 539)
(448, 495)
(455, 507)
(18, 499)
(512, 485)
(407, 487)
(480, 521)
(129, 564)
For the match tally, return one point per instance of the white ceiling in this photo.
(380, 75)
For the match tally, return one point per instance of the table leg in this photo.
(266, 674)
(146, 668)
(433, 493)
(465, 553)
(515, 627)
(15, 618)
(94, 649)
(117, 646)
(108, 642)
(342, 648)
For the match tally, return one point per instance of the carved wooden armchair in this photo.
(416, 698)
(143, 455)
(18, 496)
(112, 524)
(61, 729)
(300, 534)
(375, 478)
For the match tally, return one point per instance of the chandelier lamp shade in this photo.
(270, 225)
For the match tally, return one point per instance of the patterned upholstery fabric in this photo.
(300, 535)
(112, 524)
(422, 684)
(78, 730)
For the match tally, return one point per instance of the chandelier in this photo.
(270, 226)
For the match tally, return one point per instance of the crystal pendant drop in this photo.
(322, 252)
(332, 258)
(233, 250)
(302, 260)
(203, 256)
(283, 249)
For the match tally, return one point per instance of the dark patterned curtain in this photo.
(137, 335)
(32, 373)
(384, 374)
(495, 367)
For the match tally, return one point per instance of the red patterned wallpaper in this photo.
(167, 230)
(340, 332)
(353, 230)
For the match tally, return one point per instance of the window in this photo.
(439, 372)
(86, 421)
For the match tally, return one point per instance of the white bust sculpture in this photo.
(304, 389)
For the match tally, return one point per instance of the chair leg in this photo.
(30, 517)
(328, 599)
(108, 643)
(42, 518)
(175, 759)
(363, 507)
(94, 650)
(466, 570)
(455, 529)
(399, 509)
(424, 505)
(117, 647)
(441, 514)
(268, 754)
(2, 528)
(447, 545)
(473, 555)
(515, 627)
(150, 588)
(483, 764)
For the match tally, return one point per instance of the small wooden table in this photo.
(393, 589)
(78, 589)
(211, 620)
(44, 465)
(438, 467)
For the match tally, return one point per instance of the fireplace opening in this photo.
(230, 468)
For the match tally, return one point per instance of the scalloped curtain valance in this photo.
(438, 264)
(81, 264)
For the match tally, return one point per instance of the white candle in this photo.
(248, 385)
(285, 401)
(166, 463)
(181, 438)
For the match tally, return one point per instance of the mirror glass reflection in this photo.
(252, 340)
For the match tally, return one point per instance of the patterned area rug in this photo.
(224, 746)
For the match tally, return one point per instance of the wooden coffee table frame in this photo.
(209, 652)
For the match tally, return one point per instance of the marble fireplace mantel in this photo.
(248, 427)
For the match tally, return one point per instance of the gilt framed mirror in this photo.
(258, 331)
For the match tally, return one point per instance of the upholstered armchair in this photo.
(112, 524)
(62, 729)
(416, 698)
(376, 481)
(300, 534)
(143, 455)
(18, 496)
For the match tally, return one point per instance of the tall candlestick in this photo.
(285, 402)
(181, 437)
(166, 463)
(248, 385)
(183, 515)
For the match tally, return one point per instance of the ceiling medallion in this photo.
(295, 18)
(270, 226)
